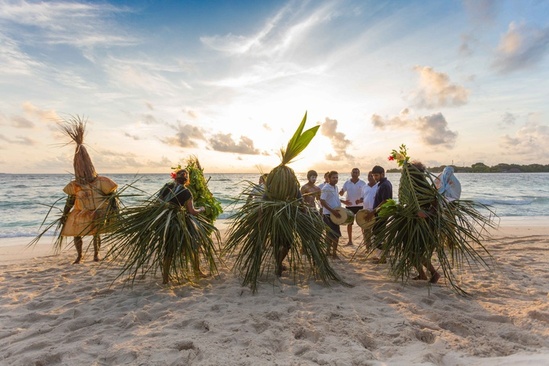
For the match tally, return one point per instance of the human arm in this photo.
(68, 206)
(327, 207)
(191, 209)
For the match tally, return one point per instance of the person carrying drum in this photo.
(330, 201)
(353, 188)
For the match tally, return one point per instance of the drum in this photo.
(363, 221)
(347, 216)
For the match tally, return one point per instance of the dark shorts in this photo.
(334, 232)
(354, 209)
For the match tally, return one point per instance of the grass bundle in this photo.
(265, 231)
(160, 236)
(454, 230)
(75, 128)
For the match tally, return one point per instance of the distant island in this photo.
(483, 168)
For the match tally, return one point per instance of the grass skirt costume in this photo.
(161, 235)
(424, 223)
(280, 226)
(91, 205)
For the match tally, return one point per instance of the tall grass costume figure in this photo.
(165, 232)
(425, 223)
(89, 196)
(264, 233)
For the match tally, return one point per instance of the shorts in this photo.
(334, 232)
(354, 209)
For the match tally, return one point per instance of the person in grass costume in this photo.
(89, 195)
(425, 223)
(166, 233)
(264, 233)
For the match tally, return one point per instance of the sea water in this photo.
(25, 199)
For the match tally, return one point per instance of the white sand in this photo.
(55, 313)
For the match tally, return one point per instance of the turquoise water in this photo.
(25, 199)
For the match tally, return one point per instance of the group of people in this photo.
(89, 203)
(366, 196)
(357, 195)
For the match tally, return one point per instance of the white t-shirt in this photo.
(368, 195)
(330, 194)
(354, 191)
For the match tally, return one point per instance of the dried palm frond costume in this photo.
(424, 223)
(266, 231)
(90, 196)
(165, 232)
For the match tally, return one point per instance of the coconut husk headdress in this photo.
(75, 128)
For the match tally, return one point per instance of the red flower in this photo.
(391, 158)
(173, 175)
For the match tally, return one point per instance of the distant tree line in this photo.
(483, 168)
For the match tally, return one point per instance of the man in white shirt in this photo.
(353, 188)
(329, 200)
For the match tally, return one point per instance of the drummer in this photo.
(367, 200)
(353, 190)
(330, 201)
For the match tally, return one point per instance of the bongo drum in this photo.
(362, 220)
(347, 216)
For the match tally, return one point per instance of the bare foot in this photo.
(434, 278)
(417, 278)
(96, 259)
(77, 261)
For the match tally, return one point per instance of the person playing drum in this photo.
(330, 201)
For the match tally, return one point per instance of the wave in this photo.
(510, 202)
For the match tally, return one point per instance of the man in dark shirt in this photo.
(384, 193)
(385, 188)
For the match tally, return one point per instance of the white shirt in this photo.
(368, 195)
(353, 190)
(330, 194)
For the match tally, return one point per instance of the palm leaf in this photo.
(262, 230)
(454, 231)
(147, 235)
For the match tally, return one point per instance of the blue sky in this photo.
(228, 81)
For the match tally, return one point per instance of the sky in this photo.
(457, 82)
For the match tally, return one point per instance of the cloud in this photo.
(185, 136)
(508, 119)
(436, 90)
(481, 11)
(433, 129)
(266, 127)
(530, 140)
(19, 140)
(13, 60)
(466, 46)
(521, 47)
(54, 22)
(225, 143)
(337, 139)
(22, 122)
(41, 114)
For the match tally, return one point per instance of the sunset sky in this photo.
(229, 81)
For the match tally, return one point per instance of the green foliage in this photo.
(157, 235)
(202, 196)
(261, 229)
(424, 223)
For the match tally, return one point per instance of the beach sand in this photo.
(56, 313)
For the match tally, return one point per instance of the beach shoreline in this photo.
(54, 312)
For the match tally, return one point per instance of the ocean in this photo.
(26, 198)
